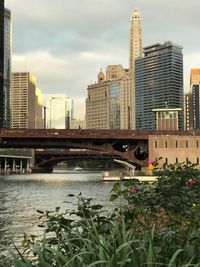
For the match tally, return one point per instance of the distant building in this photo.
(196, 105)
(167, 118)
(103, 103)
(195, 76)
(158, 83)
(110, 103)
(188, 111)
(39, 122)
(192, 101)
(24, 102)
(7, 67)
(59, 111)
(78, 124)
(1, 63)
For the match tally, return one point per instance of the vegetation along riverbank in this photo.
(151, 225)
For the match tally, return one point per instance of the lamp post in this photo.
(45, 116)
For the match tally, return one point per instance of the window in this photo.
(198, 161)
(166, 160)
(176, 160)
(186, 143)
(176, 143)
(156, 144)
(187, 161)
(165, 144)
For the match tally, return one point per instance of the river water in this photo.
(22, 195)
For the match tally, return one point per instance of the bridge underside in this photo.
(133, 153)
(131, 146)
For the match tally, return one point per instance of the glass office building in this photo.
(158, 83)
(7, 68)
(59, 111)
(114, 105)
(1, 60)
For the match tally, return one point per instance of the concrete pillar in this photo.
(20, 166)
(5, 165)
(27, 165)
(13, 165)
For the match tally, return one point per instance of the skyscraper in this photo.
(135, 38)
(7, 67)
(23, 101)
(1, 61)
(158, 83)
(59, 111)
(128, 81)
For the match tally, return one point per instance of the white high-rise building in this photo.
(127, 109)
(59, 109)
(135, 38)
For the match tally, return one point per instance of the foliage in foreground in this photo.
(151, 225)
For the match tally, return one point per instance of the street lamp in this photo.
(45, 115)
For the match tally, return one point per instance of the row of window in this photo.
(166, 144)
(186, 161)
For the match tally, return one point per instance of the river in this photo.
(22, 195)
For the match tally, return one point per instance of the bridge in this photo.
(129, 145)
(51, 157)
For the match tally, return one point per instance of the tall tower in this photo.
(7, 67)
(1, 61)
(135, 38)
(127, 120)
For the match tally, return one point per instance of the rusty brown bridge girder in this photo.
(49, 157)
(126, 144)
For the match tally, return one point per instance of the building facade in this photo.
(158, 83)
(7, 67)
(103, 101)
(59, 111)
(192, 101)
(1, 62)
(195, 76)
(39, 121)
(172, 149)
(196, 105)
(188, 111)
(78, 124)
(23, 101)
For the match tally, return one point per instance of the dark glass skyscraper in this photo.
(1, 60)
(158, 83)
(7, 67)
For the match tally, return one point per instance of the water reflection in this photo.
(22, 195)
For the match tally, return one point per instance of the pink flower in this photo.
(191, 182)
(151, 162)
(133, 190)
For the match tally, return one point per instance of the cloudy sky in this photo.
(64, 43)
